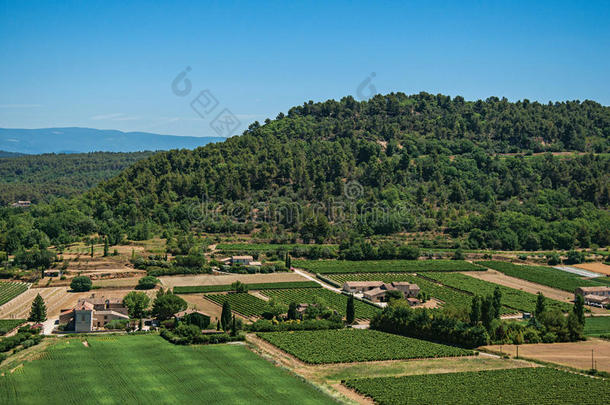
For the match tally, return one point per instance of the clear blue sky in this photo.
(105, 64)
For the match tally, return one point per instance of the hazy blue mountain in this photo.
(78, 140)
(5, 154)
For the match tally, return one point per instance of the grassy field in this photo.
(515, 386)
(335, 301)
(190, 289)
(383, 266)
(548, 276)
(596, 326)
(447, 295)
(243, 303)
(354, 345)
(9, 290)
(512, 298)
(147, 369)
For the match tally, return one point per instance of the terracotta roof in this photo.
(375, 291)
(364, 283)
(594, 289)
(241, 257)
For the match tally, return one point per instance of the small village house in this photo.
(91, 314)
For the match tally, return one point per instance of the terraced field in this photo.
(146, 369)
(539, 385)
(355, 345)
(516, 299)
(335, 301)
(383, 266)
(11, 289)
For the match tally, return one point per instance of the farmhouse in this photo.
(93, 313)
(21, 204)
(602, 291)
(242, 261)
(376, 290)
(597, 300)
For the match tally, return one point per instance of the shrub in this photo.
(147, 283)
(81, 283)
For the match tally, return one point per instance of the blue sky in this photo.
(110, 65)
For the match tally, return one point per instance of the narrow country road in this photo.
(324, 285)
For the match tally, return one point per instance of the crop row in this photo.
(353, 345)
(327, 298)
(190, 289)
(512, 298)
(538, 385)
(383, 266)
(242, 303)
(542, 275)
(9, 290)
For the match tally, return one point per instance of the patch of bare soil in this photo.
(208, 307)
(212, 279)
(496, 277)
(595, 267)
(572, 354)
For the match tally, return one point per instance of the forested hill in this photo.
(433, 163)
(41, 178)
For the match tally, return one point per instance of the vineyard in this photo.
(539, 385)
(335, 301)
(353, 345)
(383, 266)
(251, 286)
(9, 290)
(267, 247)
(242, 303)
(146, 369)
(7, 325)
(515, 299)
(596, 326)
(548, 276)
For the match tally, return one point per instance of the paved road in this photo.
(324, 285)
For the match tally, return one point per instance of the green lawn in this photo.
(598, 325)
(149, 370)
(355, 345)
(383, 266)
(515, 386)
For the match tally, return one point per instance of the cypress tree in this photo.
(91, 247)
(579, 308)
(540, 304)
(497, 300)
(106, 247)
(225, 316)
(38, 312)
(292, 310)
(350, 310)
(475, 310)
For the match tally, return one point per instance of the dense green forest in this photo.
(342, 170)
(40, 178)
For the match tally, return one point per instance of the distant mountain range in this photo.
(82, 140)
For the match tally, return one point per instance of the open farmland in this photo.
(333, 300)
(251, 286)
(9, 290)
(224, 279)
(515, 386)
(354, 345)
(243, 303)
(147, 369)
(548, 276)
(512, 298)
(598, 325)
(449, 296)
(383, 266)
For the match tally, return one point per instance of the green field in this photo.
(512, 298)
(548, 276)
(598, 325)
(190, 289)
(383, 266)
(605, 280)
(354, 345)
(9, 324)
(447, 295)
(242, 303)
(335, 301)
(148, 370)
(9, 290)
(515, 386)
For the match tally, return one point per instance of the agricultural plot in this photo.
(538, 385)
(548, 276)
(353, 345)
(383, 266)
(9, 290)
(267, 247)
(190, 289)
(7, 325)
(515, 299)
(243, 303)
(148, 370)
(449, 296)
(598, 325)
(335, 301)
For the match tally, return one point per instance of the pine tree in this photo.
(106, 247)
(38, 313)
(350, 310)
(579, 308)
(225, 316)
(540, 304)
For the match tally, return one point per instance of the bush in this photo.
(147, 283)
(81, 283)
(117, 324)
